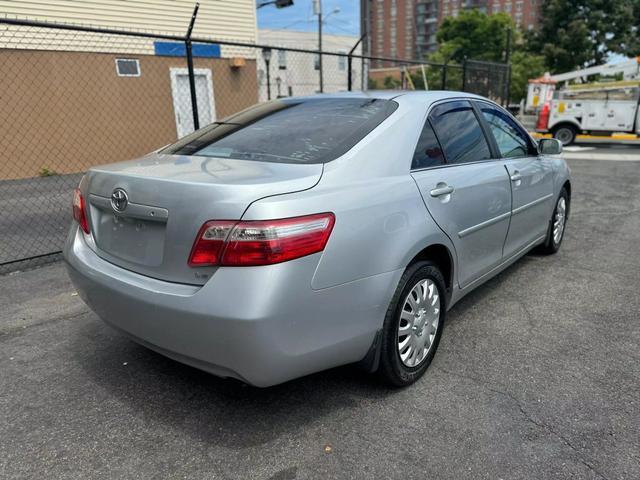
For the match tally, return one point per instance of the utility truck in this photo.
(596, 109)
(552, 105)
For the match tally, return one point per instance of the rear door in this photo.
(531, 179)
(465, 188)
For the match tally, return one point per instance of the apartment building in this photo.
(407, 28)
(525, 13)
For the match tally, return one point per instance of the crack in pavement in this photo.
(527, 417)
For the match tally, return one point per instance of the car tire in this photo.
(395, 363)
(560, 214)
(566, 134)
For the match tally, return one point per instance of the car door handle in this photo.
(439, 191)
(516, 177)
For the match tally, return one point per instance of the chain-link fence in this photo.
(489, 79)
(72, 97)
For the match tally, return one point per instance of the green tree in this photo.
(632, 40)
(474, 34)
(478, 36)
(576, 33)
(524, 66)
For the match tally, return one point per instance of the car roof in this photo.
(401, 96)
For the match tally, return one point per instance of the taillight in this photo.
(260, 242)
(79, 213)
(207, 249)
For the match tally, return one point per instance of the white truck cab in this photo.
(598, 109)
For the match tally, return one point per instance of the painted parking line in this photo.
(576, 148)
(622, 157)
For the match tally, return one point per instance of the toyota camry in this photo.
(307, 233)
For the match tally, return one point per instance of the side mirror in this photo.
(549, 146)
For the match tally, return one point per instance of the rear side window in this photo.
(512, 141)
(459, 132)
(428, 151)
(289, 131)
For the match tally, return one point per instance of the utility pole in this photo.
(317, 10)
(507, 59)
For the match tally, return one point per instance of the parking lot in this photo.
(537, 376)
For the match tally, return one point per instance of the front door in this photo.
(181, 93)
(469, 196)
(531, 179)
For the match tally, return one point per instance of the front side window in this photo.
(428, 152)
(512, 141)
(288, 130)
(459, 133)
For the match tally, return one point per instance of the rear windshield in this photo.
(288, 131)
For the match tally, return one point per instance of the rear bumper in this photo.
(262, 325)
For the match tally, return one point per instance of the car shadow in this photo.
(228, 412)
(212, 409)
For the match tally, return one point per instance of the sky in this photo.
(300, 17)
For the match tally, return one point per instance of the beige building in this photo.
(80, 98)
(224, 20)
(297, 73)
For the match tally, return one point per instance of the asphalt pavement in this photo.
(537, 377)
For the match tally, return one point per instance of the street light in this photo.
(277, 3)
(266, 54)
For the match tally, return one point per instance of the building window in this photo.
(282, 59)
(342, 62)
(127, 67)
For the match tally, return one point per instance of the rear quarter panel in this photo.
(380, 226)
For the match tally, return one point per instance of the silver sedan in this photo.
(307, 233)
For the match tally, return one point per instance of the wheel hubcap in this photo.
(418, 324)
(559, 220)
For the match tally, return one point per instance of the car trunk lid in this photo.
(145, 214)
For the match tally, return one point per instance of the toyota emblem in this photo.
(119, 200)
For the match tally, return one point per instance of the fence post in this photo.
(444, 76)
(508, 86)
(507, 60)
(464, 74)
(350, 60)
(192, 78)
